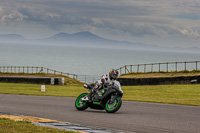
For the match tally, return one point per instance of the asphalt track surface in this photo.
(137, 117)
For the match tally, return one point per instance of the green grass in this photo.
(10, 126)
(35, 89)
(174, 94)
(68, 80)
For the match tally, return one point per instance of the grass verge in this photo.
(35, 89)
(173, 94)
(68, 80)
(160, 74)
(10, 126)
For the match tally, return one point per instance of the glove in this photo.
(96, 87)
(85, 86)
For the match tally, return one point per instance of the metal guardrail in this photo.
(38, 70)
(88, 78)
(160, 67)
(145, 68)
(32, 70)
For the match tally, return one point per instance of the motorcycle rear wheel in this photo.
(113, 107)
(79, 104)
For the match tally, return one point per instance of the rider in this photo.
(106, 78)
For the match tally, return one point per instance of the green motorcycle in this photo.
(108, 98)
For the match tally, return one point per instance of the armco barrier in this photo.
(37, 80)
(159, 81)
(160, 67)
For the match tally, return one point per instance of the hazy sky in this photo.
(159, 22)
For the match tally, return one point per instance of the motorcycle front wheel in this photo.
(112, 107)
(79, 104)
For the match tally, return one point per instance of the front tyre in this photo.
(114, 106)
(79, 104)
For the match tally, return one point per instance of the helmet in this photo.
(113, 74)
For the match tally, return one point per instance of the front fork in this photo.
(113, 97)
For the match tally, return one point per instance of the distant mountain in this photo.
(80, 37)
(8, 37)
(59, 36)
(88, 36)
(87, 39)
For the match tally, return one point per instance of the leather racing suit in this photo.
(104, 80)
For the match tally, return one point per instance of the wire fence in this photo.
(160, 67)
(138, 68)
(88, 78)
(39, 70)
(33, 70)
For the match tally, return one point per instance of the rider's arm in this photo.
(99, 83)
(102, 80)
(119, 85)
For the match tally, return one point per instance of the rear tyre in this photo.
(113, 107)
(79, 104)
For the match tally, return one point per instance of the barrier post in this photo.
(196, 66)
(43, 88)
